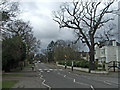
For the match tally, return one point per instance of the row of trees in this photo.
(61, 49)
(18, 42)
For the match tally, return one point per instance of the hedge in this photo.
(77, 63)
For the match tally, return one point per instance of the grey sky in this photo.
(39, 13)
(40, 16)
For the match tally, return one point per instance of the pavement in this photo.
(30, 79)
(57, 77)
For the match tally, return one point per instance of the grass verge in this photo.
(11, 75)
(8, 83)
(29, 65)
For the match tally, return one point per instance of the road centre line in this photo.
(64, 75)
(74, 80)
(107, 83)
(48, 71)
(77, 82)
(112, 82)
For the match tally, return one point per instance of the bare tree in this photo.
(86, 18)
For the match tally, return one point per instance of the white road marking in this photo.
(107, 83)
(44, 82)
(46, 85)
(64, 75)
(60, 69)
(48, 71)
(40, 69)
(74, 80)
(55, 69)
(112, 82)
(92, 87)
(83, 84)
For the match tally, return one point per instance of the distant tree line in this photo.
(18, 43)
(59, 50)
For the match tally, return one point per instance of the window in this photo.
(102, 51)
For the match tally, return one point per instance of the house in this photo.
(107, 51)
(83, 55)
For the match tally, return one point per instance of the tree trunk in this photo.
(91, 62)
(92, 58)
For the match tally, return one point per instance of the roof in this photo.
(108, 43)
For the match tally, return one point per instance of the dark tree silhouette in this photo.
(86, 18)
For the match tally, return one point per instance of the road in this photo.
(55, 77)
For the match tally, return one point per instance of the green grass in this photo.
(8, 83)
(0, 84)
(18, 69)
(11, 75)
(29, 66)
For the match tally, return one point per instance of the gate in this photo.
(114, 65)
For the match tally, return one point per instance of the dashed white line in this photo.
(55, 69)
(64, 75)
(60, 69)
(48, 71)
(107, 83)
(74, 80)
(112, 82)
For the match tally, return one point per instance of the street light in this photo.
(65, 62)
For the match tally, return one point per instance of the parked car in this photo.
(39, 61)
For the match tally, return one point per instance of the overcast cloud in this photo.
(40, 16)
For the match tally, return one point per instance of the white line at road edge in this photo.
(44, 82)
(46, 85)
(92, 87)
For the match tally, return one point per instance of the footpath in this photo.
(30, 79)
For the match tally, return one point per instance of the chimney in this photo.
(114, 42)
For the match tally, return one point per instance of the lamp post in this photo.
(65, 62)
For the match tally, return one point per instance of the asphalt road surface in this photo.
(54, 77)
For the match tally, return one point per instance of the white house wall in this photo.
(118, 54)
(111, 53)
